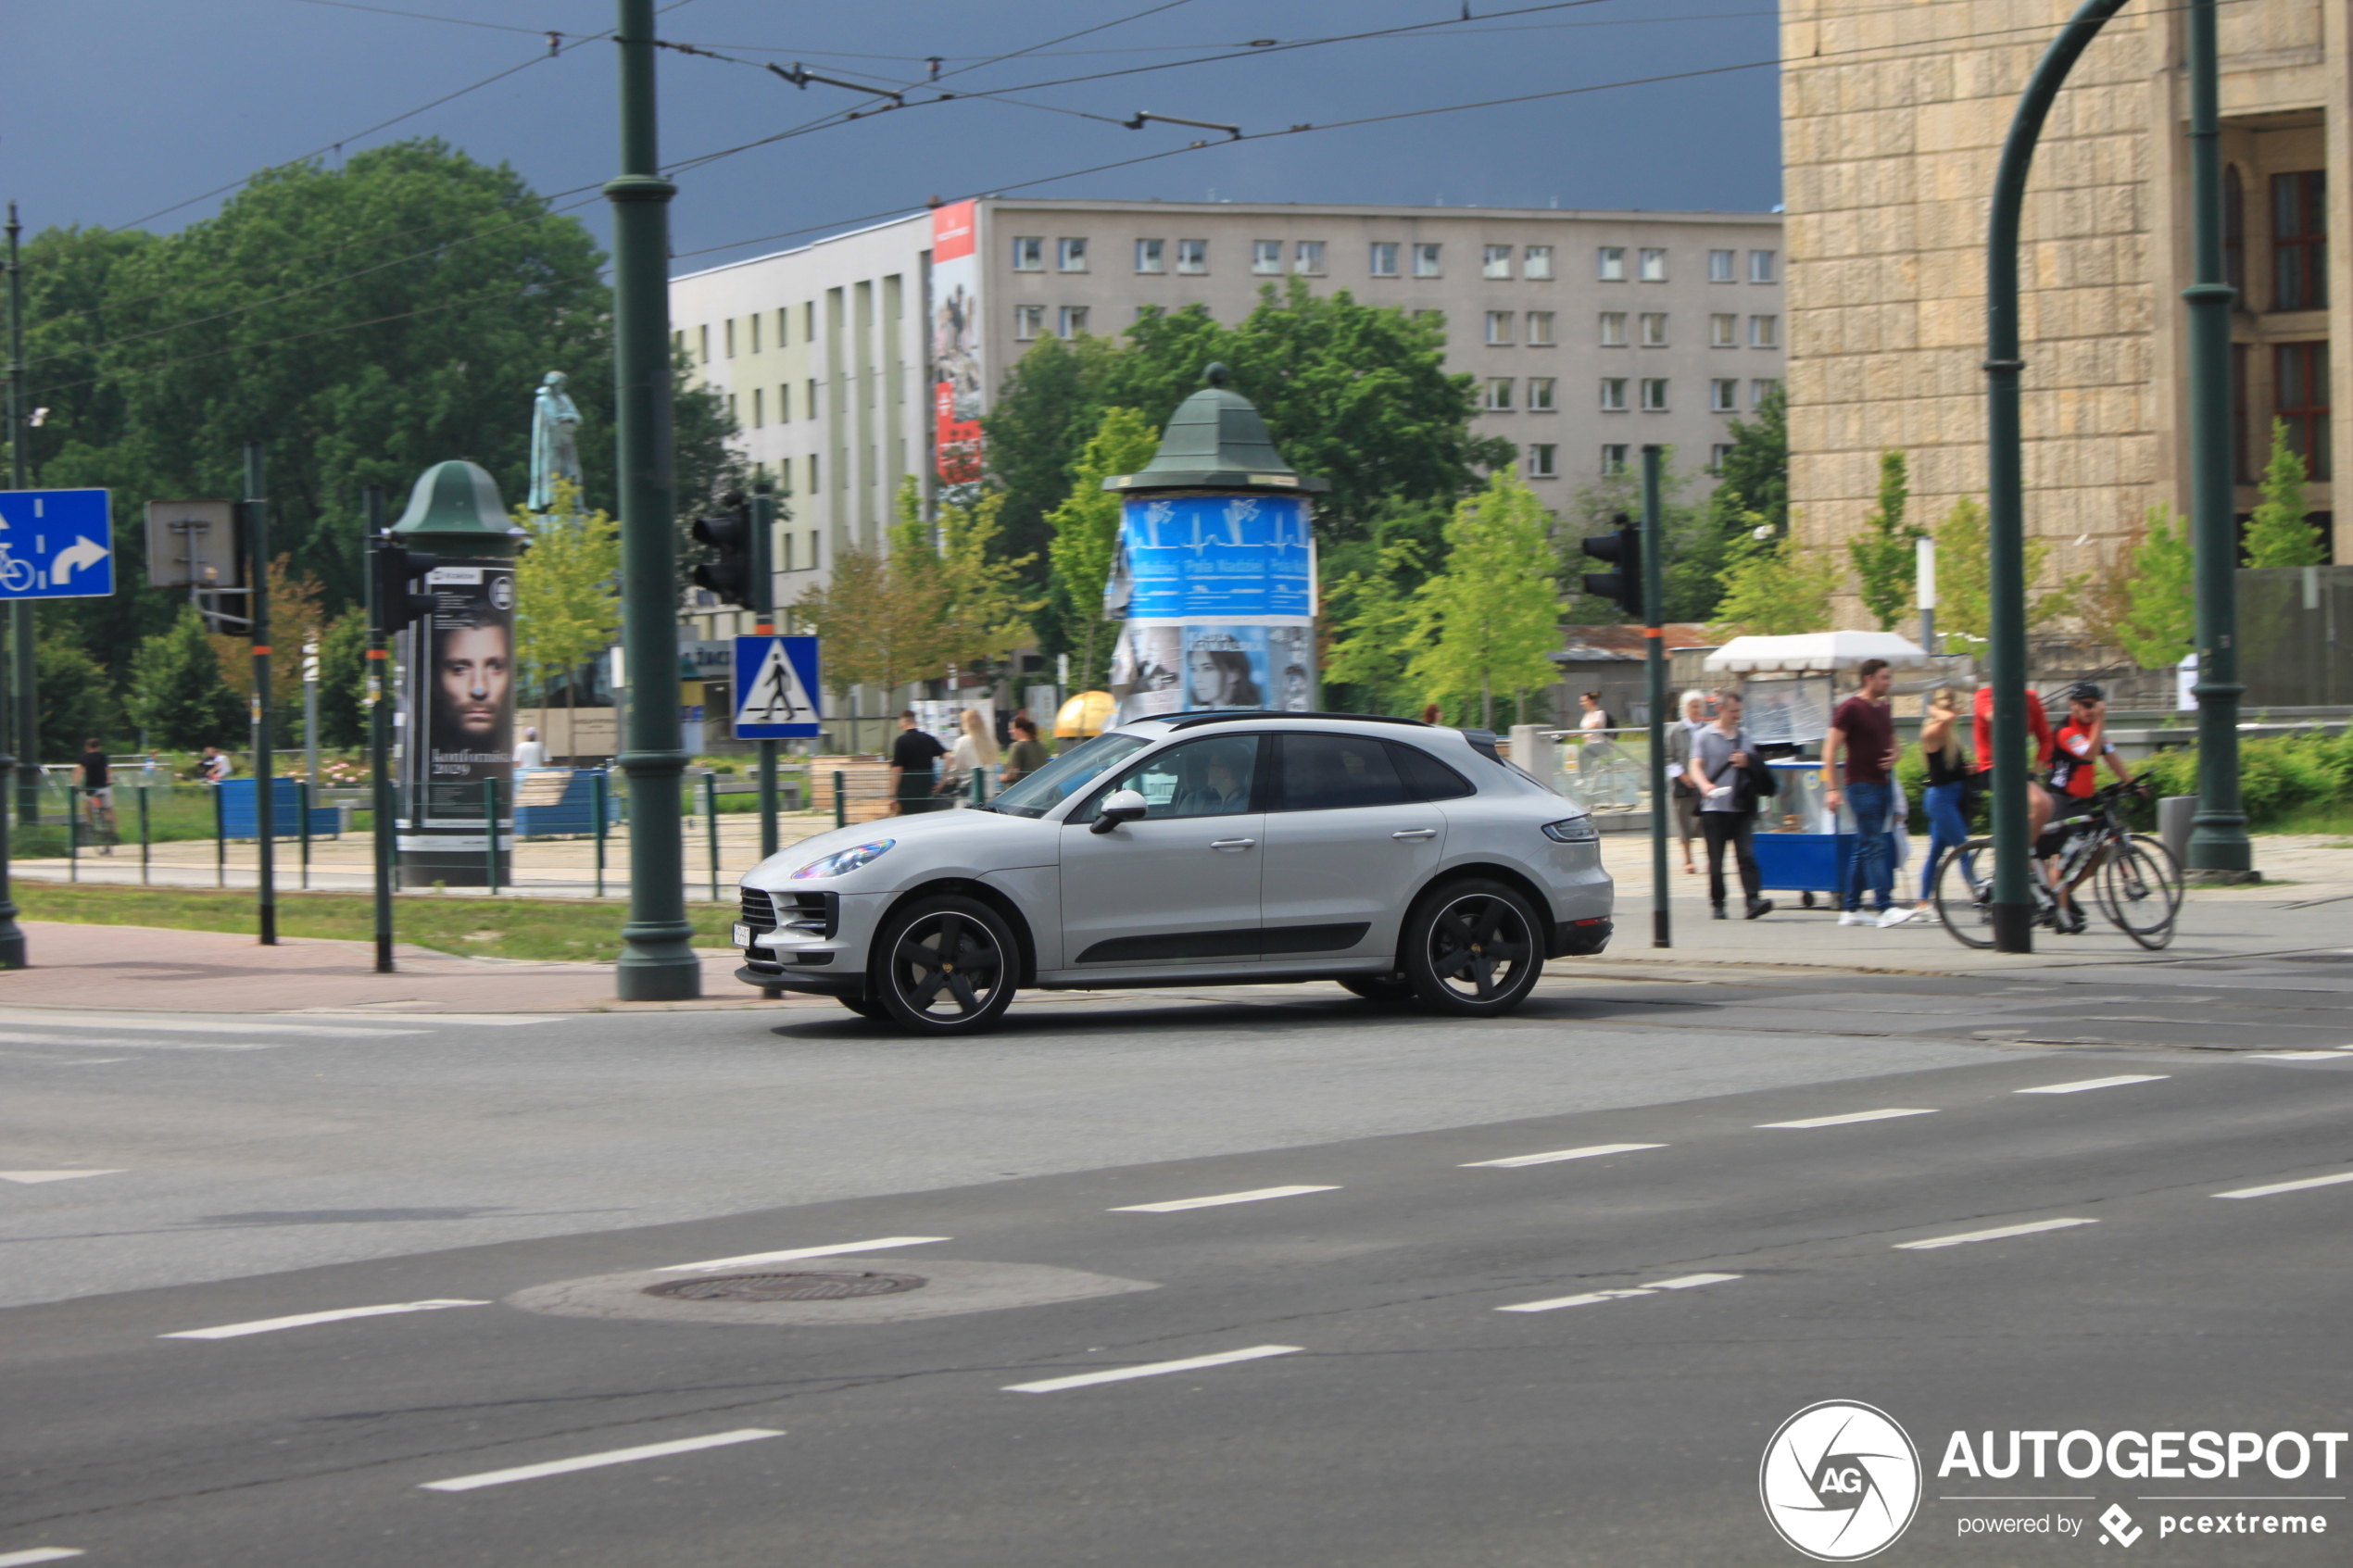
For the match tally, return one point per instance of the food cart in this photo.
(1789, 685)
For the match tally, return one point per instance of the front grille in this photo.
(759, 912)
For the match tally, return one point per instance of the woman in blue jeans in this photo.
(1948, 772)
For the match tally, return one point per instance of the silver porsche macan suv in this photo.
(1406, 861)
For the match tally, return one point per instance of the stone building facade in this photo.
(1893, 118)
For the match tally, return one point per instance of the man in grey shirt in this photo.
(1720, 755)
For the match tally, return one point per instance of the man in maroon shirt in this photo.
(1864, 728)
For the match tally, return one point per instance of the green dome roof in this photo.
(1215, 440)
(455, 497)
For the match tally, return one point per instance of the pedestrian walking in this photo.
(532, 752)
(913, 756)
(1729, 778)
(214, 765)
(975, 748)
(1946, 798)
(1681, 736)
(1025, 756)
(97, 793)
(1864, 728)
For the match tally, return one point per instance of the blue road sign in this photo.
(55, 544)
(778, 696)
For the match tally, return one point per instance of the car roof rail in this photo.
(1228, 715)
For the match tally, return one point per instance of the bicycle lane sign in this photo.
(55, 544)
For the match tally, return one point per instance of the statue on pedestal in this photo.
(555, 443)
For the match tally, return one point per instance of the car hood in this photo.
(934, 843)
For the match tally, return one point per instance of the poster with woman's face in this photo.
(1225, 666)
(468, 689)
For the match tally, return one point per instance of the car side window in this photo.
(1334, 773)
(1426, 776)
(1209, 777)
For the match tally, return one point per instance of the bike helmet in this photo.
(2086, 691)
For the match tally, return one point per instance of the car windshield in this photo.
(1067, 774)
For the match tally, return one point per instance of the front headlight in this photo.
(1572, 829)
(841, 862)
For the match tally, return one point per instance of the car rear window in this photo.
(1334, 773)
(1426, 776)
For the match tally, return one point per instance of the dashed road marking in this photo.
(596, 1462)
(38, 1554)
(1683, 1282)
(304, 1320)
(1998, 1233)
(1593, 1151)
(58, 1020)
(2080, 1085)
(2304, 1185)
(1173, 1205)
(1849, 1118)
(1151, 1369)
(29, 1177)
(2338, 1055)
(880, 1244)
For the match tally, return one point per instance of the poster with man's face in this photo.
(465, 687)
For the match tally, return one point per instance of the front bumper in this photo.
(777, 979)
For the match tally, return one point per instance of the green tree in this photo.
(1774, 588)
(343, 680)
(2158, 627)
(76, 699)
(1692, 569)
(176, 695)
(1085, 538)
(1373, 615)
(1964, 586)
(1883, 552)
(1491, 618)
(2280, 533)
(1751, 487)
(567, 598)
(1045, 411)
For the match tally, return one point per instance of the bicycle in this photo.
(2136, 883)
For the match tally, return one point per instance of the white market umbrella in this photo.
(1814, 653)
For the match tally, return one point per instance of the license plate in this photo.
(742, 936)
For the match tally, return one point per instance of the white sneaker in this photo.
(1894, 914)
(1855, 916)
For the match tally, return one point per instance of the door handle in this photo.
(1233, 843)
(1416, 832)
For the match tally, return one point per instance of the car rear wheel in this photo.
(945, 966)
(1379, 988)
(1471, 948)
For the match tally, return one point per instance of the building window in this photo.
(752, 320)
(787, 537)
(809, 409)
(702, 336)
(813, 539)
(1763, 332)
(808, 322)
(1384, 260)
(1499, 327)
(812, 474)
(1653, 395)
(1029, 321)
(1540, 329)
(1029, 253)
(1611, 264)
(1308, 259)
(1613, 460)
(784, 325)
(2235, 231)
(1193, 256)
(1536, 263)
(1613, 395)
(1723, 395)
(1544, 461)
(1073, 320)
(1267, 256)
(1613, 328)
(1653, 328)
(1425, 261)
(2299, 241)
(1716, 457)
(1760, 389)
(2301, 388)
(758, 405)
(1070, 255)
(784, 402)
(732, 417)
(1760, 266)
(1498, 394)
(1150, 256)
(727, 331)
(1719, 266)
(1654, 265)
(1540, 396)
(1723, 330)
(2242, 460)
(1496, 262)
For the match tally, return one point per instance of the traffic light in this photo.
(1623, 550)
(397, 601)
(728, 572)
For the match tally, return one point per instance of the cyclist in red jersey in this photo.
(2081, 746)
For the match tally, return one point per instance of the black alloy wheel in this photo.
(1390, 987)
(946, 966)
(1471, 948)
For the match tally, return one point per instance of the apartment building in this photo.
(857, 360)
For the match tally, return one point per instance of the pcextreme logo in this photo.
(1840, 1481)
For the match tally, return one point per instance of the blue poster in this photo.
(1216, 557)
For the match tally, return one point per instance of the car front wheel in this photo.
(945, 966)
(1471, 948)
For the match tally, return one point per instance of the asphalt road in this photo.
(1383, 1397)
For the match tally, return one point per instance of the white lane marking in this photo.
(2336, 1055)
(1257, 1195)
(1850, 1116)
(1516, 1160)
(2080, 1085)
(103, 1042)
(186, 1026)
(488, 1020)
(1151, 1369)
(304, 1320)
(1682, 1282)
(594, 1461)
(38, 1554)
(2305, 1185)
(1999, 1234)
(879, 1245)
(28, 1177)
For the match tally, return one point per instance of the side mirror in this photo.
(1120, 806)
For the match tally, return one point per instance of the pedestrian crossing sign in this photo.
(778, 696)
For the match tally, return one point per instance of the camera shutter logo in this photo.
(1841, 1481)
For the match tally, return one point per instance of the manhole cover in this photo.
(785, 1288)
